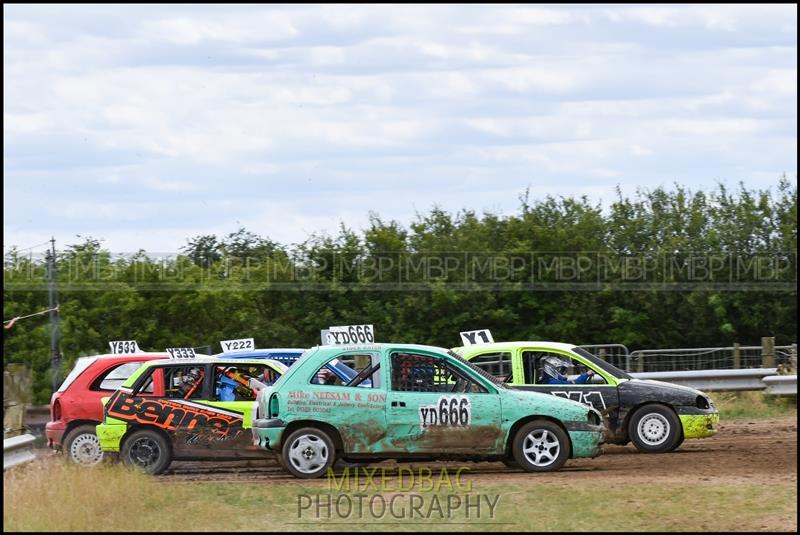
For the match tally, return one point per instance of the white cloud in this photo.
(292, 118)
(266, 26)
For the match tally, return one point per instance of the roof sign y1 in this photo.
(471, 338)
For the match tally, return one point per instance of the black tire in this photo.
(308, 453)
(147, 449)
(541, 446)
(679, 442)
(654, 429)
(82, 447)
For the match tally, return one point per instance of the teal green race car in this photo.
(186, 409)
(656, 416)
(410, 403)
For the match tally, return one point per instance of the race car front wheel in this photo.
(540, 446)
(148, 450)
(82, 446)
(654, 429)
(308, 453)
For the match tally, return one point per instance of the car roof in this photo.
(379, 346)
(509, 346)
(129, 356)
(208, 359)
(265, 352)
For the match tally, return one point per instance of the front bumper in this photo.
(699, 425)
(586, 438)
(54, 431)
(267, 432)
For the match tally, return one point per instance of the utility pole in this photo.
(53, 299)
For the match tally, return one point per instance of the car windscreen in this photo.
(600, 363)
(80, 366)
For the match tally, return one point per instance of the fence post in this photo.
(768, 352)
(737, 356)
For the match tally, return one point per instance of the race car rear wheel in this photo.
(148, 450)
(540, 446)
(654, 429)
(82, 446)
(308, 453)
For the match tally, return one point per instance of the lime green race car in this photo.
(411, 403)
(654, 415)
(186, 409)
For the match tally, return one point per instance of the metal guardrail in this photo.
(781, 385)
(18, 450)
(706, 358)
(730, 380)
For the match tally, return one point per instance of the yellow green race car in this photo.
(654, 415)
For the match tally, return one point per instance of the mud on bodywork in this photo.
(586, 443)
(383, 422)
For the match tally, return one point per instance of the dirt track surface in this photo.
(743, 451)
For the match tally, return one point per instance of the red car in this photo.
(75, 409)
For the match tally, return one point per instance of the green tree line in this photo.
(659, 268)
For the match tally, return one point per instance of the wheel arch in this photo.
(74, 424)
(336, 437)
(144, 427)
(512, 432)
(632, 411)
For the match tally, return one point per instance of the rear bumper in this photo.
(54, 432)
(267, 432)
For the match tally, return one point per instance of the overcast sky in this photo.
(146, 125)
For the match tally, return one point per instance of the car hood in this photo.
(662, 391)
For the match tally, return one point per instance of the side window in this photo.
(148, 386)
(242, 382)
(184, 382)
(497, 364)
(114, 377)
(348, 370)
(422, 373)
(545, 367)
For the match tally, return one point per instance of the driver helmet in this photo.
(191, 377)
(556, 368)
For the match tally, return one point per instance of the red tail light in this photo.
(56, 410)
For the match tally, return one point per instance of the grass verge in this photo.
(50, 495)
(749, 405)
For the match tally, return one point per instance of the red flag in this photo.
(10, 323)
